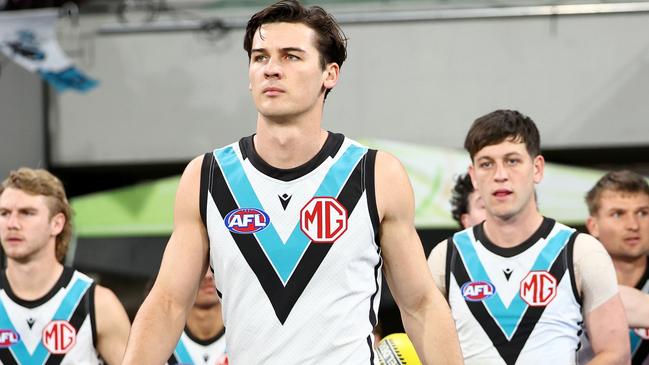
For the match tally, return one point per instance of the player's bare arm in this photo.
(608, 333)
(604, 315)
(162, 316)
(426, 316)
(112, 326)
(636, 306)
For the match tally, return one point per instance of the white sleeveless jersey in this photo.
(194, 351)
(56, 329)
(518, 305)
(295, 253)
(639, 337)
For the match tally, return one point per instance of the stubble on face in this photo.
(622, 224)
(25, 224)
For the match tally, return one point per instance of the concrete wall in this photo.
(21, 119)
(171, 96)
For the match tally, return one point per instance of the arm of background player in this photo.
(161, 318)
(602, 307)
(636, 305)
(112, 325)
(425, 314)
(437, 266)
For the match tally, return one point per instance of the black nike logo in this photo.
(284, 199)
(508, 273)
(30, 322)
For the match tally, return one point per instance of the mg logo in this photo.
(538, 288)
(323, 219)
(59, 337)
(223, 360)
(642, 333)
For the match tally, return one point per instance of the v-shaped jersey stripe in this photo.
(182, 355)
(507, 317)
(64, 312)
(283, 256)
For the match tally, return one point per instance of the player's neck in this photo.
(32, 280)
(290, 145)
(205, 323)
(630, 272)
(514, 230)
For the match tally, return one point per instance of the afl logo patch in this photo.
(8, 338)
(246, 220)
(475, 291)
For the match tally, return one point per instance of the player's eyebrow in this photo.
(285, 50)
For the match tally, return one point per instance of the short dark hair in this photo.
(501, 125)
(622, 181)
(331, 41)
(460, 197)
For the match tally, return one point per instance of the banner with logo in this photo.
(28, 38)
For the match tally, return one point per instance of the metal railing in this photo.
(389, 16)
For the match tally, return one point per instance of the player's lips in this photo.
(13, 239)
(501, 193)
(633, 240)
(272, 91)
(208, 288)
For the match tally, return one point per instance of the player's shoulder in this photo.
(195, 165)
(438, 252)
(389, 168)
(106, 301)
(584, 241)
(70, 274)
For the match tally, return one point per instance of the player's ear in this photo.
(57, 223)
(539, 167)
(472, 175)
(464, 219)
(331, 74)
(592, 226)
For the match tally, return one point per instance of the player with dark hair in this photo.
(520, 285)
(467, 205)
(297, 223)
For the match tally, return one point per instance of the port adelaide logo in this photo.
(246, 220)
(476, 291)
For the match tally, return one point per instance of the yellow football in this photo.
(396, 349)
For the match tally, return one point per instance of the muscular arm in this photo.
(426, 316)
(162, 316)
(636, 306)
(112, 326)
(603, 310)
